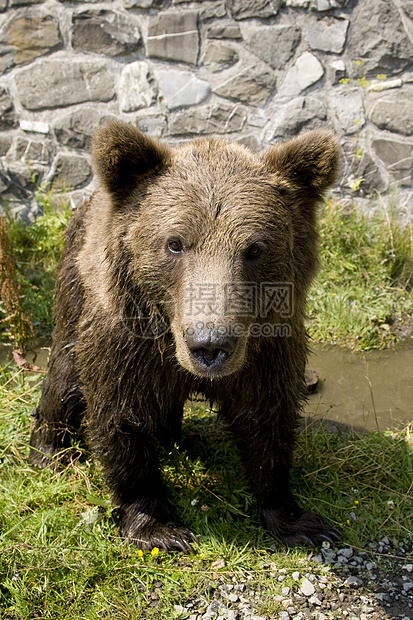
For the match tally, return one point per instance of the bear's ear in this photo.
(122, 155)
(309, 161)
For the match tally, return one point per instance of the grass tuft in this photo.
(365, 281)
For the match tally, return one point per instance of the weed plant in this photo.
(14, 319)
(37, 250)
(60, 551)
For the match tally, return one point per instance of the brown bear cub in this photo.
(187, 272)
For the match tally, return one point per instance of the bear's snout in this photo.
(209, 348)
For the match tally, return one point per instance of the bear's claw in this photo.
(307, 528)
(169, 536)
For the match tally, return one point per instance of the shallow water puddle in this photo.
(368, 390)
(361, 390)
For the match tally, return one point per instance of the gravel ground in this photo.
(371, 584)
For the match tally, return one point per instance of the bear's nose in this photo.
(209, 347)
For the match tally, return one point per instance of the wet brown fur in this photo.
(117, 276)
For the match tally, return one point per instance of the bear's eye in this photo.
(175, 246)
(253, 252)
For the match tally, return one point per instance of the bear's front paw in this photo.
(304, 528)
(146, 532)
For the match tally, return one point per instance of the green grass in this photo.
(365, 281)
(60, 551)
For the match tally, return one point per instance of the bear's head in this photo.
(216, 241)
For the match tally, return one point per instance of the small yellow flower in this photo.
(155, 551)
(348, 521)
(341, 223)
(140, 553)
(334, 293)
(325, 283)
(356, 502)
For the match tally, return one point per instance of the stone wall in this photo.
(256, 71)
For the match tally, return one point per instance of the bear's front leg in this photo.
(131, 467)
(57, 417)
(266, 440)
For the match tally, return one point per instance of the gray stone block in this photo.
(218, 118)
(5, 144)
(105, 32)
(63, 81)
(301, 114)
(70, 171)
(34, 126)
(16, 3)
(252, 85)
(152, 123)
(349, 109)
(328, 35)
(298, 4)
(275, 44)
(16, 182)
(140, 4)
(336, 71)
(29, 33)
(251, 142)
(136, 87)
(32, 151)
(377, 36)
(181, 89)
(219, 56)
(367, 169)
(214, 10)
(76, 128)
(395, 112)
(408, 8)
(398, 158)
(245, 9)
(174, 36)
(8, 118)
(327, 5)
(305, 72)
(224, 30)
(358, 163)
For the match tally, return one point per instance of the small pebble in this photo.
(353, 582)
(347, 552)
(307, 587)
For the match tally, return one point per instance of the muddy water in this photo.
(368, 390)
(361, 390)
(39, 357)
